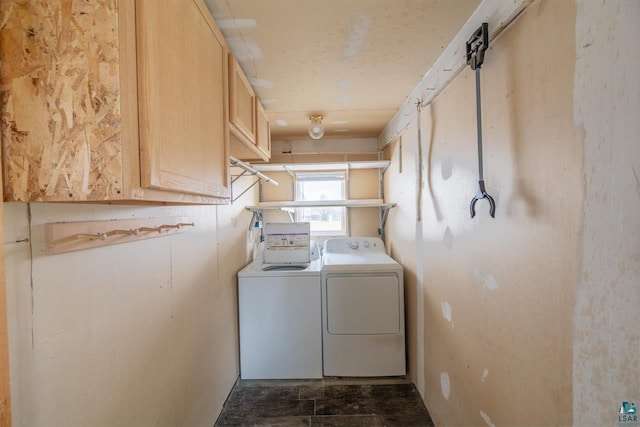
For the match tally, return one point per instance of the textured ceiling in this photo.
(353, 61)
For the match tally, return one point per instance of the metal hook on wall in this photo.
(476, 46)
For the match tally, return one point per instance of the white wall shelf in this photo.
(289, 206)
(294, 167)
(357, 203)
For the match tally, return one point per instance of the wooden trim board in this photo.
(499, 14)
(63, 237)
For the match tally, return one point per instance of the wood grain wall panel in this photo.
(60, 74)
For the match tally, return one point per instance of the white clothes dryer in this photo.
(363, 326)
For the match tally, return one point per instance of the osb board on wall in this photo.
(59, 100)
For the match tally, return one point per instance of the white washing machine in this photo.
(279, 308)
(362, 309)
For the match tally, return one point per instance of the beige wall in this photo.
(321, 158)
(5, 389)
(364, 184)
(404, 242)
(490, 329)
(283, 192)
(342, 148)
(606, 337)
(530, 318)
(143, 333)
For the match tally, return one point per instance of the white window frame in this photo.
(300, 212)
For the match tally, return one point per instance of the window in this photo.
(326, 220)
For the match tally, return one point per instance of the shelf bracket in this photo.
(291, 217)
(247, 170)
(384, 213)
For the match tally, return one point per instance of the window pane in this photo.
(321, 186)
(321, 190)
(325, 220)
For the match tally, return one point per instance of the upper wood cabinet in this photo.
(250, 138)
(114, 101)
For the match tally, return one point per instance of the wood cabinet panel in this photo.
(253, 151)
(242, 103)
(263, 136)
(181, 66)
(250, 134)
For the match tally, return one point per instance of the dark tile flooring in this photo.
(330, 402)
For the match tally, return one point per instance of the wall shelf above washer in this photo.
(354, 203)
(289, 206)
(295, 167)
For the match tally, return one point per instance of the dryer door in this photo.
(363, 304)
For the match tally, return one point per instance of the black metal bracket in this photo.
(476, 45)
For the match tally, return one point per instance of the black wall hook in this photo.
(476, 45)
(482, 194)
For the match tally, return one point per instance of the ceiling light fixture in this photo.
(316, 129)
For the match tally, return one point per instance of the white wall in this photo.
(606, 338)
(142, 333)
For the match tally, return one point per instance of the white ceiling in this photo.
(353, 61)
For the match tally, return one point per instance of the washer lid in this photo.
(257, 269)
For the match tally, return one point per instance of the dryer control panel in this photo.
(345, 245)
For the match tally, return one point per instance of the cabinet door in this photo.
(182, 68)
(263, 137)
(242, 103)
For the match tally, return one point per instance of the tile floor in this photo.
(334, 402)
